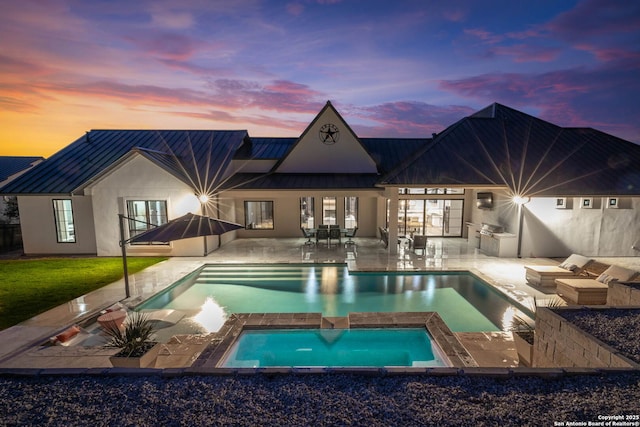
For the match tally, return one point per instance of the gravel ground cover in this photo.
(620, 328)
(315, 400)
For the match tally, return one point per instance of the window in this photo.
(307, 208)
(258, 215)
(145, 214)
(329, 210)
(63, 214)
(350, 212)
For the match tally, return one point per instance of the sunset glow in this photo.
(393, 69)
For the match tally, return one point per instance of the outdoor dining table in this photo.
(313, 231)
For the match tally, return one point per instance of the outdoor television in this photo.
(484, 201)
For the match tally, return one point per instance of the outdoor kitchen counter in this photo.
(499, 244)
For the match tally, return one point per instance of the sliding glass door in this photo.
(433, 217)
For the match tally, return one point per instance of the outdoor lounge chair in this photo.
(592, 291)
(545, 275)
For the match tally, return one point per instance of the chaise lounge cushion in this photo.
(575, 263)
(616, 273)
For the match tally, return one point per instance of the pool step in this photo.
(335, 322)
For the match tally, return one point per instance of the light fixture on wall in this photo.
(612, 203)
(587, 203)
(561, 203)
(520, 200)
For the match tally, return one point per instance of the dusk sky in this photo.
(391, 68)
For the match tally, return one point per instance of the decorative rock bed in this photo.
(589, 337)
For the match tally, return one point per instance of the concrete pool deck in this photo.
(489, 349)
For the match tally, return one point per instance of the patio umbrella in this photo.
(185, 227)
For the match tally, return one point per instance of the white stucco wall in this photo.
(39, 230)
(599, 231)
(140, 179)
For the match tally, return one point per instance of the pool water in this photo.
(334, 348)
(211, 294)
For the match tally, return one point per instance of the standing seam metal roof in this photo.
(505, 147)
(195, 156)
(11, 165)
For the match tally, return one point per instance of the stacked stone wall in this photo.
(620, 295)
(560, 344)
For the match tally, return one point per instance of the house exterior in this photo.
(581, 187)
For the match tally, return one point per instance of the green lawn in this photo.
(31, 287)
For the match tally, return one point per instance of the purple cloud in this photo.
(279, 95)
(165, 45)
(598, 26)
(407, 118)
(604, 98)
(528, 53)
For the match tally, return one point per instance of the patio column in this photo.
(392, 194)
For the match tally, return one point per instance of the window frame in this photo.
(327, 204)
(247, 222)
(307, 211)
(59, 221)
(132, 221)
(355, 208)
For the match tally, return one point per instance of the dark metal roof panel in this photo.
(270, 148)
(505, 147)
(199, 155)
(10, 165)
(390, 152)
(297, 181)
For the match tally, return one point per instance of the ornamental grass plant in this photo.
(133, 338)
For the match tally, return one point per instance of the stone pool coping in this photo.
(455, 353)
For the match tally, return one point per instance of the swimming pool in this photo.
(209, 295)
(334, 348)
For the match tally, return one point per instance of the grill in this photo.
(490, 229)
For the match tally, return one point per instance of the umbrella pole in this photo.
(123, 245)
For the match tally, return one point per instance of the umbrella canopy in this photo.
(185, 227)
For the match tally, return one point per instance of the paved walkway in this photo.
(493, 349)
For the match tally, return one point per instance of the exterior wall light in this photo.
(521, 200)
(203, 198)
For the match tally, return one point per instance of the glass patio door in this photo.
(433, 217)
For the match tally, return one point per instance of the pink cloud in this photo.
(132, 94)
(454, 15)
(408, 118)
(166, 45)
(528, 53)
(605, 98)
(279, 95)
(598, 26)
(20, 67)
(295, 9)
(484, 36)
